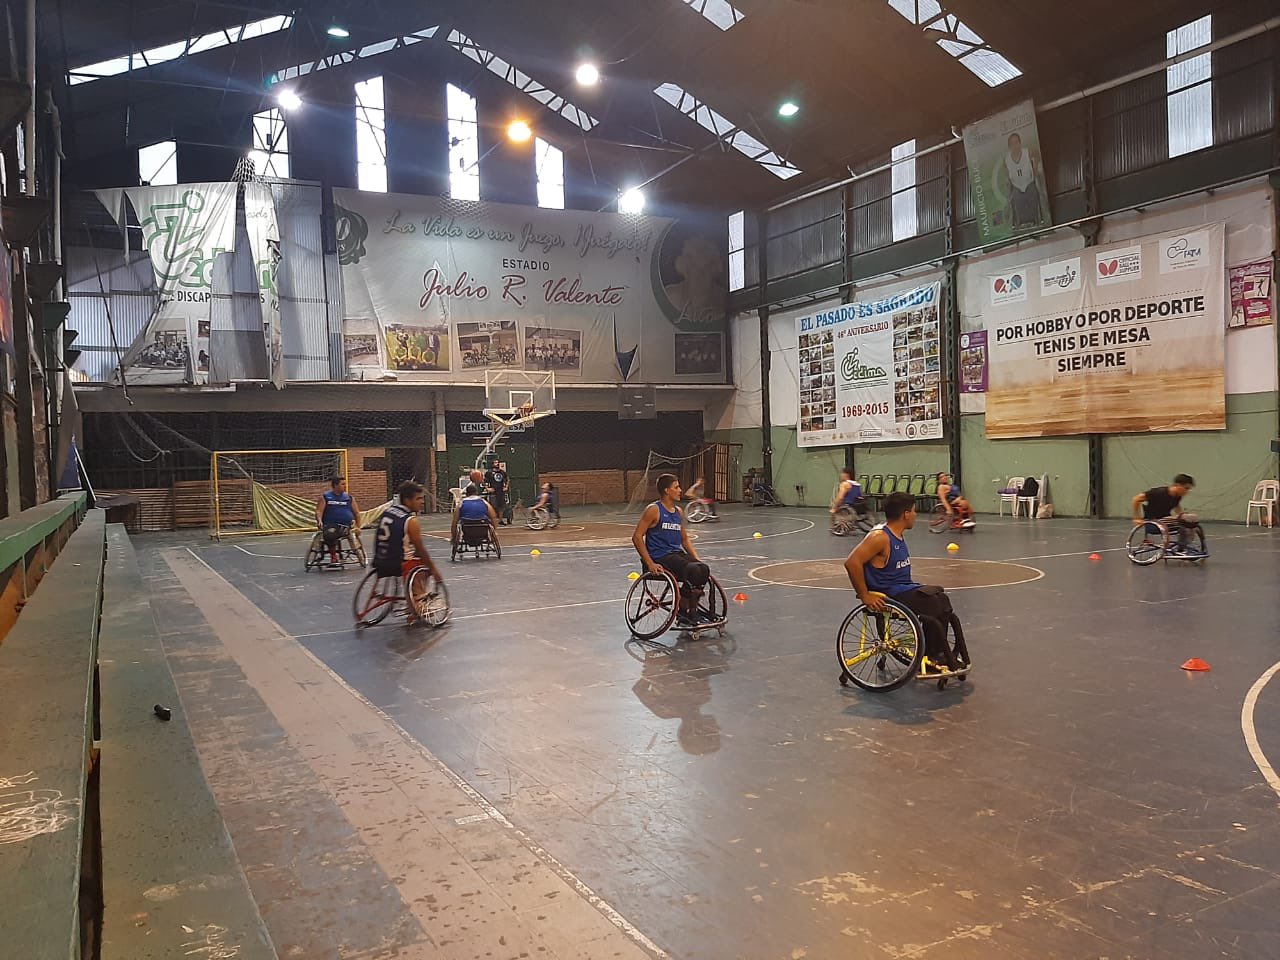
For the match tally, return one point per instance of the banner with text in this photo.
(1122, 338)
(440, 289)
(870, 371)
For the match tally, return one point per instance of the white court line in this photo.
(568, 876)
(1251, 734)
(1050, 556)
(807, 584)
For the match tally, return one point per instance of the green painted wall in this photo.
(1225, 463)
(987, 464)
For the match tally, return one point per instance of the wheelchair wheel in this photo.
(880, 651)
(1195, 552)
(940, 519)
(428, 598)
(1148, 542)
(497, 547)
(651, 605)
(361, 559)
(844, 521)
(696, 511)
(373, 601)
(539, 519)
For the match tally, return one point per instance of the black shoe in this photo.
(686, 621)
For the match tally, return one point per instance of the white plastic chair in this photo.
(1015, 484)
(1030, 502)
(456, 493)
(1265, 495)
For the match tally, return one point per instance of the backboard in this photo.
(519, 395)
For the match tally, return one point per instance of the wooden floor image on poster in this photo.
(1156, 402)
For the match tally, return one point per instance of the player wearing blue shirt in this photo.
(663, 543)
(337, 510)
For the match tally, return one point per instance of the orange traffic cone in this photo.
(1095, 556)
(740, 597)
(1196, 664)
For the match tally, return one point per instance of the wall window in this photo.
(270, 153)
(464, 145)
(549, 163)
(737, 251)
(1190, 87)
(158, 163)
(371, 136)
(903, 184)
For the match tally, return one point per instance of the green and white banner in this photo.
(185, 229)
(870, 370)
(1006, 173)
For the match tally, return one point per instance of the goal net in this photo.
(687, 468)
(270, 491)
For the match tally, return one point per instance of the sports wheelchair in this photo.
(330, 542)
(941, 521)
(541, 518)
(426, 600)
(848, 518)
(653, 602)
(882, 651)
(476, 537)
(1166, 539)
(700, 510)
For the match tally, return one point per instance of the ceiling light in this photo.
(788, 108)
(588, 74)
(340, 32)
(631, 201)
(288, 100)
(518, 131)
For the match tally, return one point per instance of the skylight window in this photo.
(737, 250)
(720, 12)
(270, 153)
(520, 80)
(178, 49)
(371, 136)
(464, 144)
(959, 40)
(903, 184)
(726, 131)
(158, 163)
(1190, 87)
(549, 164)
(350, 56)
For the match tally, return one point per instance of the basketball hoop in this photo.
(515, 398)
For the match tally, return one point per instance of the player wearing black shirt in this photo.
(1163, 503)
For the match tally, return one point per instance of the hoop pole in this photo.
(217, 502)
(499, 431)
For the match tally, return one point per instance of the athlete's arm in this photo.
(414, 530)
(943, 490)
(493, 514)
(453, 527)
(874, 544)
(1138, 501)
(840, 492)
(320, 511)
(355, 512)
(685, 542)
(648, 520)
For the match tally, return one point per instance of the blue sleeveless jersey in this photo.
(953, 494)
(852, 494)
(894, 577)
(337, 509)
(474, 508)
(665, 538)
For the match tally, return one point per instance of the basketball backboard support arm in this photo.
(514, 398)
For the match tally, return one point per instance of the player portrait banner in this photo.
(870, 371)
(973, 362)
(185, 229)
(1006, 173)
(450, 288)
(1120, 338)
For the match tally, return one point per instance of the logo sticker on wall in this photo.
(1184, 252)
(1118, 266)
(1061, 277)
(1008, 288)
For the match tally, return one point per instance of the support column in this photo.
(22, 393)
(766, 422)
(951, 363)
(1097, 499)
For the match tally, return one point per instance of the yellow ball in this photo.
(535, 553)
(953, 547)
(633, 575)
(757, 535)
